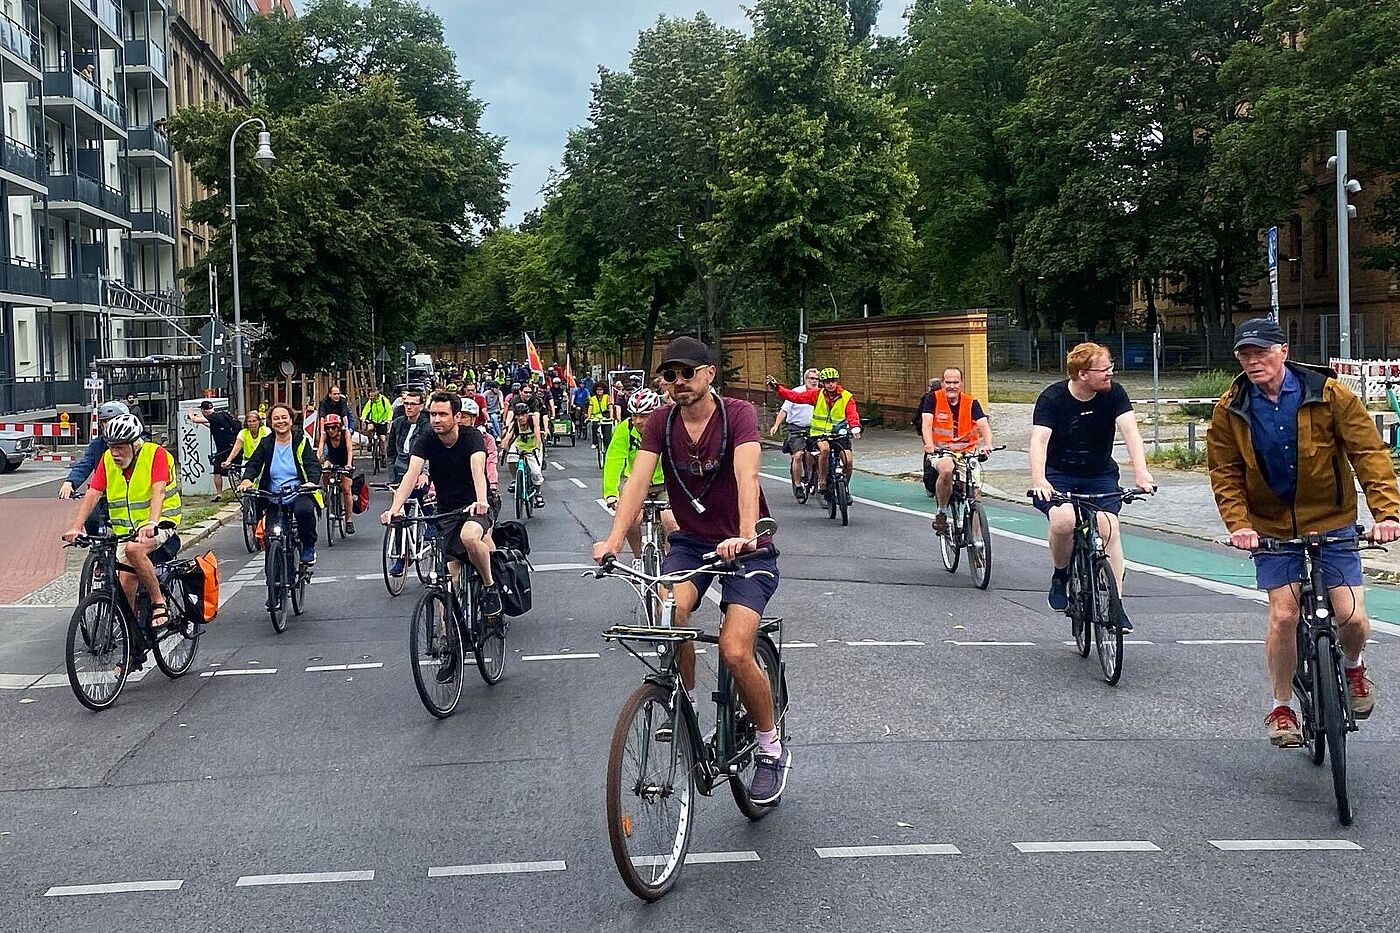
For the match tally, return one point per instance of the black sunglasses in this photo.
(685, 372)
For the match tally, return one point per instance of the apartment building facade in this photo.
(95, 197)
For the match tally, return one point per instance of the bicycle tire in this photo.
(1303, 686)
(86, 577)
(831, 501)
(296, 587)
(1107, 636)
(1078, 617)
(519, 500)
(649, 874)
(843, 500)
(979, 546)
(332, 503)
(1330, 687)
(250, 541)
(488, 645)
(742, 728)
(391, 583)
(175, 649)
(428, 650)
(98, 631)
(601, 448)
(272, 573)
(422, 567)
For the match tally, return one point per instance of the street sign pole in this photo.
(1273, 273)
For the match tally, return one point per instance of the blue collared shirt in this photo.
(1273, 430)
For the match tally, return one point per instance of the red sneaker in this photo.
(1363, 692)
(1284, 728)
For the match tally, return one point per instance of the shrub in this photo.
(1210, 384)
(1179, 457)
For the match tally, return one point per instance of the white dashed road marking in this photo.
(558, 657)
(1219, 641)
(868, 643)
(557, 465)
(230, 672)
(1106, 845)
(496, 868)
(578, 482)
(994, 644)
(1284, 845)
(698, 858)
(886, 851)
(315, 877)
(320, 668)
(120, 887)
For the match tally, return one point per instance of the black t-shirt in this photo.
(336, 456)
(330, 406)
(451, 467)
(1081, 438)
(223, 428)
(927, 404)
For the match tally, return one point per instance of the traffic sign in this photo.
(287, 368)
(1273, 248)
(801, 338)
(93, 384)
(382, 356)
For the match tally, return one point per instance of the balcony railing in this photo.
(144, 52)
(108, 14)
(152, 222)
(20, 41)
(87, 191)
(21, 277)
(74, 289)
(113, 109)
(64, 83)
(147, 138)
(21, 159)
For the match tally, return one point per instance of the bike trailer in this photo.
(359, 492)
(512, 536)
(564, 427)
(511, 571)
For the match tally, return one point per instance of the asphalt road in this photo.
(982, 737)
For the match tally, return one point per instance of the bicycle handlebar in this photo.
(86, 540)
(713, 566)
(1126, 494)
(1317, 539)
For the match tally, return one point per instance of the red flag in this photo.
(533, 356)
(569, 372)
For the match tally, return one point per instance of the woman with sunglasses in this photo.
(710, 450)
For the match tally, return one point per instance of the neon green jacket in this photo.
(377, 410)
(622, 453)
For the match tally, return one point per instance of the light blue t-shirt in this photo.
(283, 469)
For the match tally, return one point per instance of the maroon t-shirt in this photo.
(698, 463)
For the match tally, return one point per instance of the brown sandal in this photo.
(160, 617)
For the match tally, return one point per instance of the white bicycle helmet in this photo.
(123, 429)
(470, 408)
(643, 402)
(109, 410)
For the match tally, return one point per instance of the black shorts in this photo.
(796, 440)
(452, 528)
(381, 428)
(217, 458)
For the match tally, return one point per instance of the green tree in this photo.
(815, 176)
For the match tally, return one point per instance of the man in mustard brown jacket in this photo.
(1284, 441)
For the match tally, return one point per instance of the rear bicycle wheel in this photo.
(950, 542)
(744, 731)
(391, 550)
(333, 504)
(434, 645)
(1305, 689)
(249, 535)
(175, 648)
(273, 569)
(1107, 635)
(650, 793)
(1333, 721)
(422, 552)
(489, 638)
(98, 656)
(979, 546)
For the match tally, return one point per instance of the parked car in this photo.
(15, 448)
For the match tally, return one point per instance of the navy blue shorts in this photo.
(688, 553)
(1341, 566)
(1098, 485)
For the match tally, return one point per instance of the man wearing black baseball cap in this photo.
(223, 429)
(1284, 441)
(708, 447)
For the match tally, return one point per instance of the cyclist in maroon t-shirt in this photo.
(710, 447)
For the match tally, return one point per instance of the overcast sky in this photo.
(533, 62)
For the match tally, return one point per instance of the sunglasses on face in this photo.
(684, 372)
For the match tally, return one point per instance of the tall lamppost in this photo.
(264, 156)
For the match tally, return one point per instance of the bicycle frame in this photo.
(1316, 621)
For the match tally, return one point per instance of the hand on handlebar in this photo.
(71, 535)
(1246, 539)
(479, 508)
(611, 503)
(770, 381)
(1385, 532)
(66, 490)
(730, 548)
(1042, 491)
(603, 553)
(387, 516)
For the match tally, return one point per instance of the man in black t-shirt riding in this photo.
(456, 460)
(1072, 451)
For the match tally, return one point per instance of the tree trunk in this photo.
(1151, 287)
(649, 332)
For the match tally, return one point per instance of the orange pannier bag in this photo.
(208, 589)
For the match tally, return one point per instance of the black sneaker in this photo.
(349, 527)
(448, 669)
(1124, 624)
(1059, 591)
(491, 602)
(769, 778)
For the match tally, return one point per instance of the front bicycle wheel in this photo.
(87, 578)
(489, 638)
(843, 500)
(950, 543)
(250, 521)
(650, 793)
(601, 448)
(979, 546)
(745, 733)
(276, 586)
(391, 551)
(1330, 692)
(435, 651)
(1107, 635)
(296, 585)
(99, 651)
(332, 519)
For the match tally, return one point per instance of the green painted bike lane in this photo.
(1216, 563)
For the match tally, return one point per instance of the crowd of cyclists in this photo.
(1285, 443)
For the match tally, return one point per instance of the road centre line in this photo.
(497, 868)
(798, 644)
(886, 851)
(230, 672)
(536, 568)
(869, 643)
(1284, 845)
(364, 666)
(557, 465)
(1126, 641)
(994, 644)
(1220, 641)
(315, 877)
(559, 657)
(119, 887)
(1106, 845)
(698, 858)
(578, 482)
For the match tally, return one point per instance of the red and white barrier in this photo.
(53, 458)
(38, 429)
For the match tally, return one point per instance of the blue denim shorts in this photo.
(688, 553)
(1097, 485)
(1341, 566)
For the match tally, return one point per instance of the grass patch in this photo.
(1179, 457)
(193, 515)
(1013, 396)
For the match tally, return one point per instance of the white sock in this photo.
(694, 703)
(1275, 703)
(768, 743)
(1351, 664)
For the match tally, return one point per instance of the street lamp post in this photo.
(264, 155)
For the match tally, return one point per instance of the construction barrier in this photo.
(38, 429)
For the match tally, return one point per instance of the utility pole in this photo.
(1346, 187)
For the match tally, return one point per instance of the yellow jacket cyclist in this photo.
(831, 405)
(142, 488)
(622, 454)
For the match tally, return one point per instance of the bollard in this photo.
(1191, 437)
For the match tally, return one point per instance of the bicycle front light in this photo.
(277, 529)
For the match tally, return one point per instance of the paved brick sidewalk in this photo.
(31, 553)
